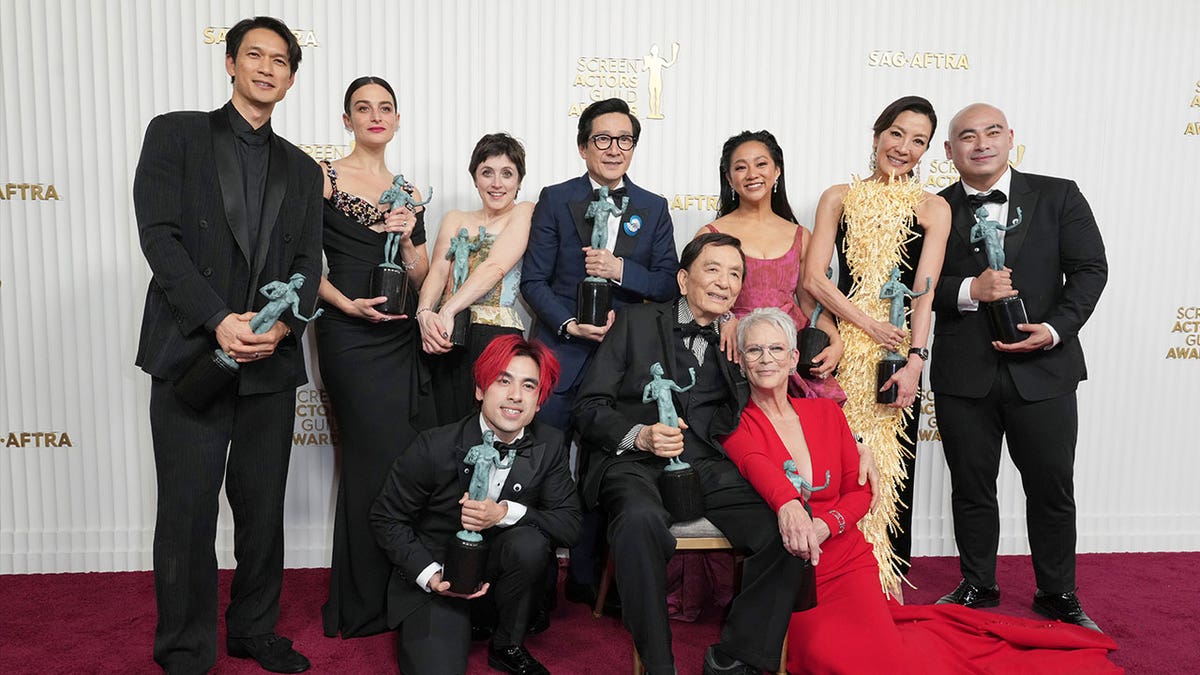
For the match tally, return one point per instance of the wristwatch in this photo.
(922, 352)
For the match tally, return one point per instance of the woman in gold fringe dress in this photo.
(874, 224)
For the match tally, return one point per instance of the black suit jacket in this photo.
(191, 215)
(1058, 266)
(417, 511)
(610, 403)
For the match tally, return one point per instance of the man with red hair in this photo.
(530, 509)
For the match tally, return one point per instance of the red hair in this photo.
(502, 350)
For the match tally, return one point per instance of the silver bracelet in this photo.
(840, 520)
(407, 266)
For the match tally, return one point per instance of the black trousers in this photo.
(1041, 441)
(641, 545)
(436, 637)
(245, 442)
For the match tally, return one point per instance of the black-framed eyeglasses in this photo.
(604, 141)
(756, 352)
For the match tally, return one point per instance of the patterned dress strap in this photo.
(332, 172)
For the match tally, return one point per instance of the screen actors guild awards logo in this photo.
(620, 77)
(655, 64)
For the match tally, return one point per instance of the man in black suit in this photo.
(1025, 391)
(223, 206)
(531, 508)
(629, 448)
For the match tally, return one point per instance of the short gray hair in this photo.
(772, 316)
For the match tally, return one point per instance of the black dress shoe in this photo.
(1064, 607)
(717, 663)
(516, 660)
(969, 595)
(539, 623)
(273, 653)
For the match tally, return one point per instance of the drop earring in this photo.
(872, 163)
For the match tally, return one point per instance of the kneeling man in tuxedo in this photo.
(531, 508)
(628, 449)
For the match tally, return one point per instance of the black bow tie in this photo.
(520, 446)
(980, 198)
(693, 329)
(614, 195)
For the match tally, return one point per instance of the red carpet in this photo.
(104, 622)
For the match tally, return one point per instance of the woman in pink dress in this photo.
(754, 208)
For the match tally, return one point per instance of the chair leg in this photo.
(602, 592)
(638, 669)
(783, 659)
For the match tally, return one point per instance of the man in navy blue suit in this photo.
(639, 262)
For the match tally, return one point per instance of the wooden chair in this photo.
(693, 535)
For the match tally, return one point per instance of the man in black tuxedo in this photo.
(223, 206)
(629, 448)
(531, 508)
(1024, 391)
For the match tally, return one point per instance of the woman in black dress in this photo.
(368, 358)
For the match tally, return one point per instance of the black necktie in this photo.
(980, 198)
(614, 195)
(520, 446)
(692, 329)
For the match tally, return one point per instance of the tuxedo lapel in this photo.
(581, 191)
(1023, 202)
(666, 336)
(525, 469)
(277, 180)
(961, 217)
(631, 220)
(469, 435)
(229, 175)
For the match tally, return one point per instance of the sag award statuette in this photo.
(389, 279)
(806, 594)
(679, 484)
(891, 364)
(594, 295)
(1006, 313)
(813, 340)
(459, 254)
(466, 556)
(212, 371)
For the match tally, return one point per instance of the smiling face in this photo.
(608, 166)
(979, 143)
(768, 373)
(497, 180)
(372, 117)
(261, 71)
(712, 282)
(752, 171)
(511, 400)
(900, 147)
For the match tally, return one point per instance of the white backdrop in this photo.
(1104, 92)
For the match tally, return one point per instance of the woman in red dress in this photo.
(854, 628)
